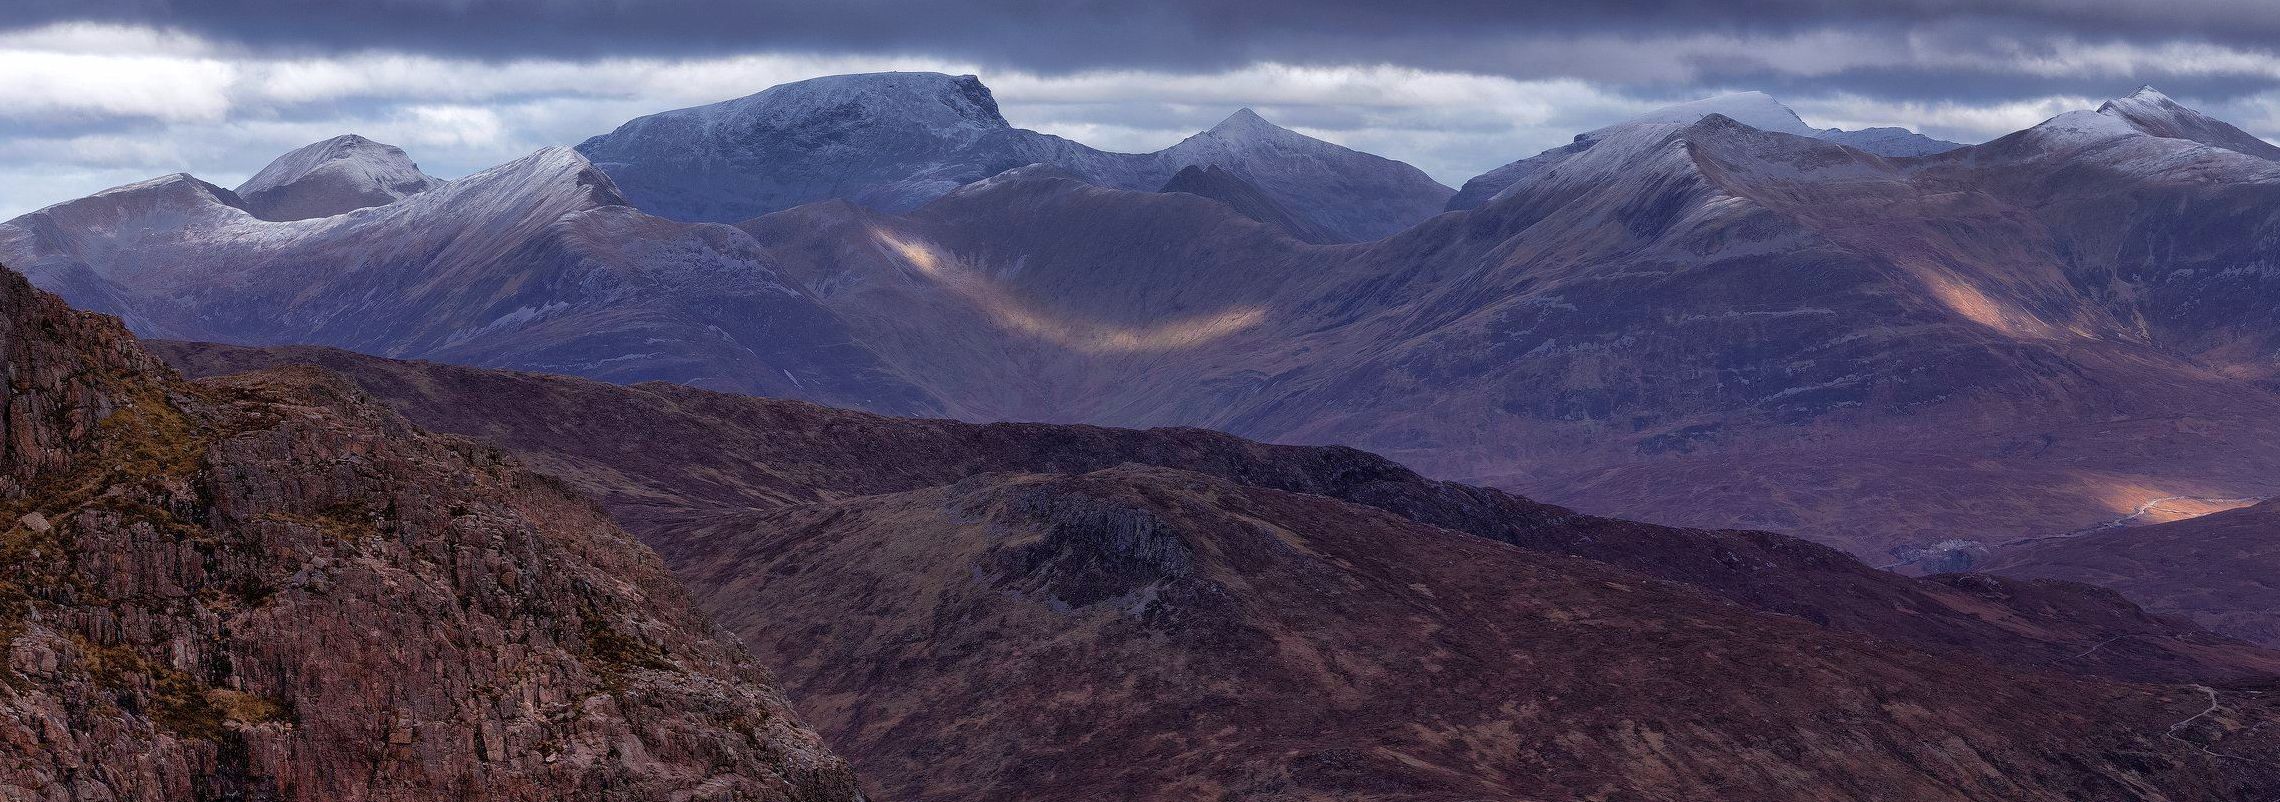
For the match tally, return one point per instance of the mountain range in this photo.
(894, 141)
(682, 465)
(1711, 315)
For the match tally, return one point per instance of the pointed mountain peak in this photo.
(2147, 92)
(2144, 100)
(2151, 112)
(1244, 120)
(337, 175)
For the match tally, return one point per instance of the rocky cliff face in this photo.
(272, 588)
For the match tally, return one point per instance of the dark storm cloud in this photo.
(1050, 35)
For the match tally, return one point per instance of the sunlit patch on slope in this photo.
(1083, 336)
(2138, 501)
(1977, 306)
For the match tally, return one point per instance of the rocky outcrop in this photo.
(273, 588)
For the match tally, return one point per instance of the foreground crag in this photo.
(1043, 612)
(271, 588)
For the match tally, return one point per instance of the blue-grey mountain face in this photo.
(894, 141)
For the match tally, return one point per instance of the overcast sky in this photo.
(96, 93)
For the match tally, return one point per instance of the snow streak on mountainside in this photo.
(1755, 109)
(893, 141)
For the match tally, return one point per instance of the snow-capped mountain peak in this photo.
(337, 175)
(2149, 111)
(2145, 95)
(928, 100)
(890, 140)
(1242, 130)
(1313, 179)
(1245, 122)
(2147, 103)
